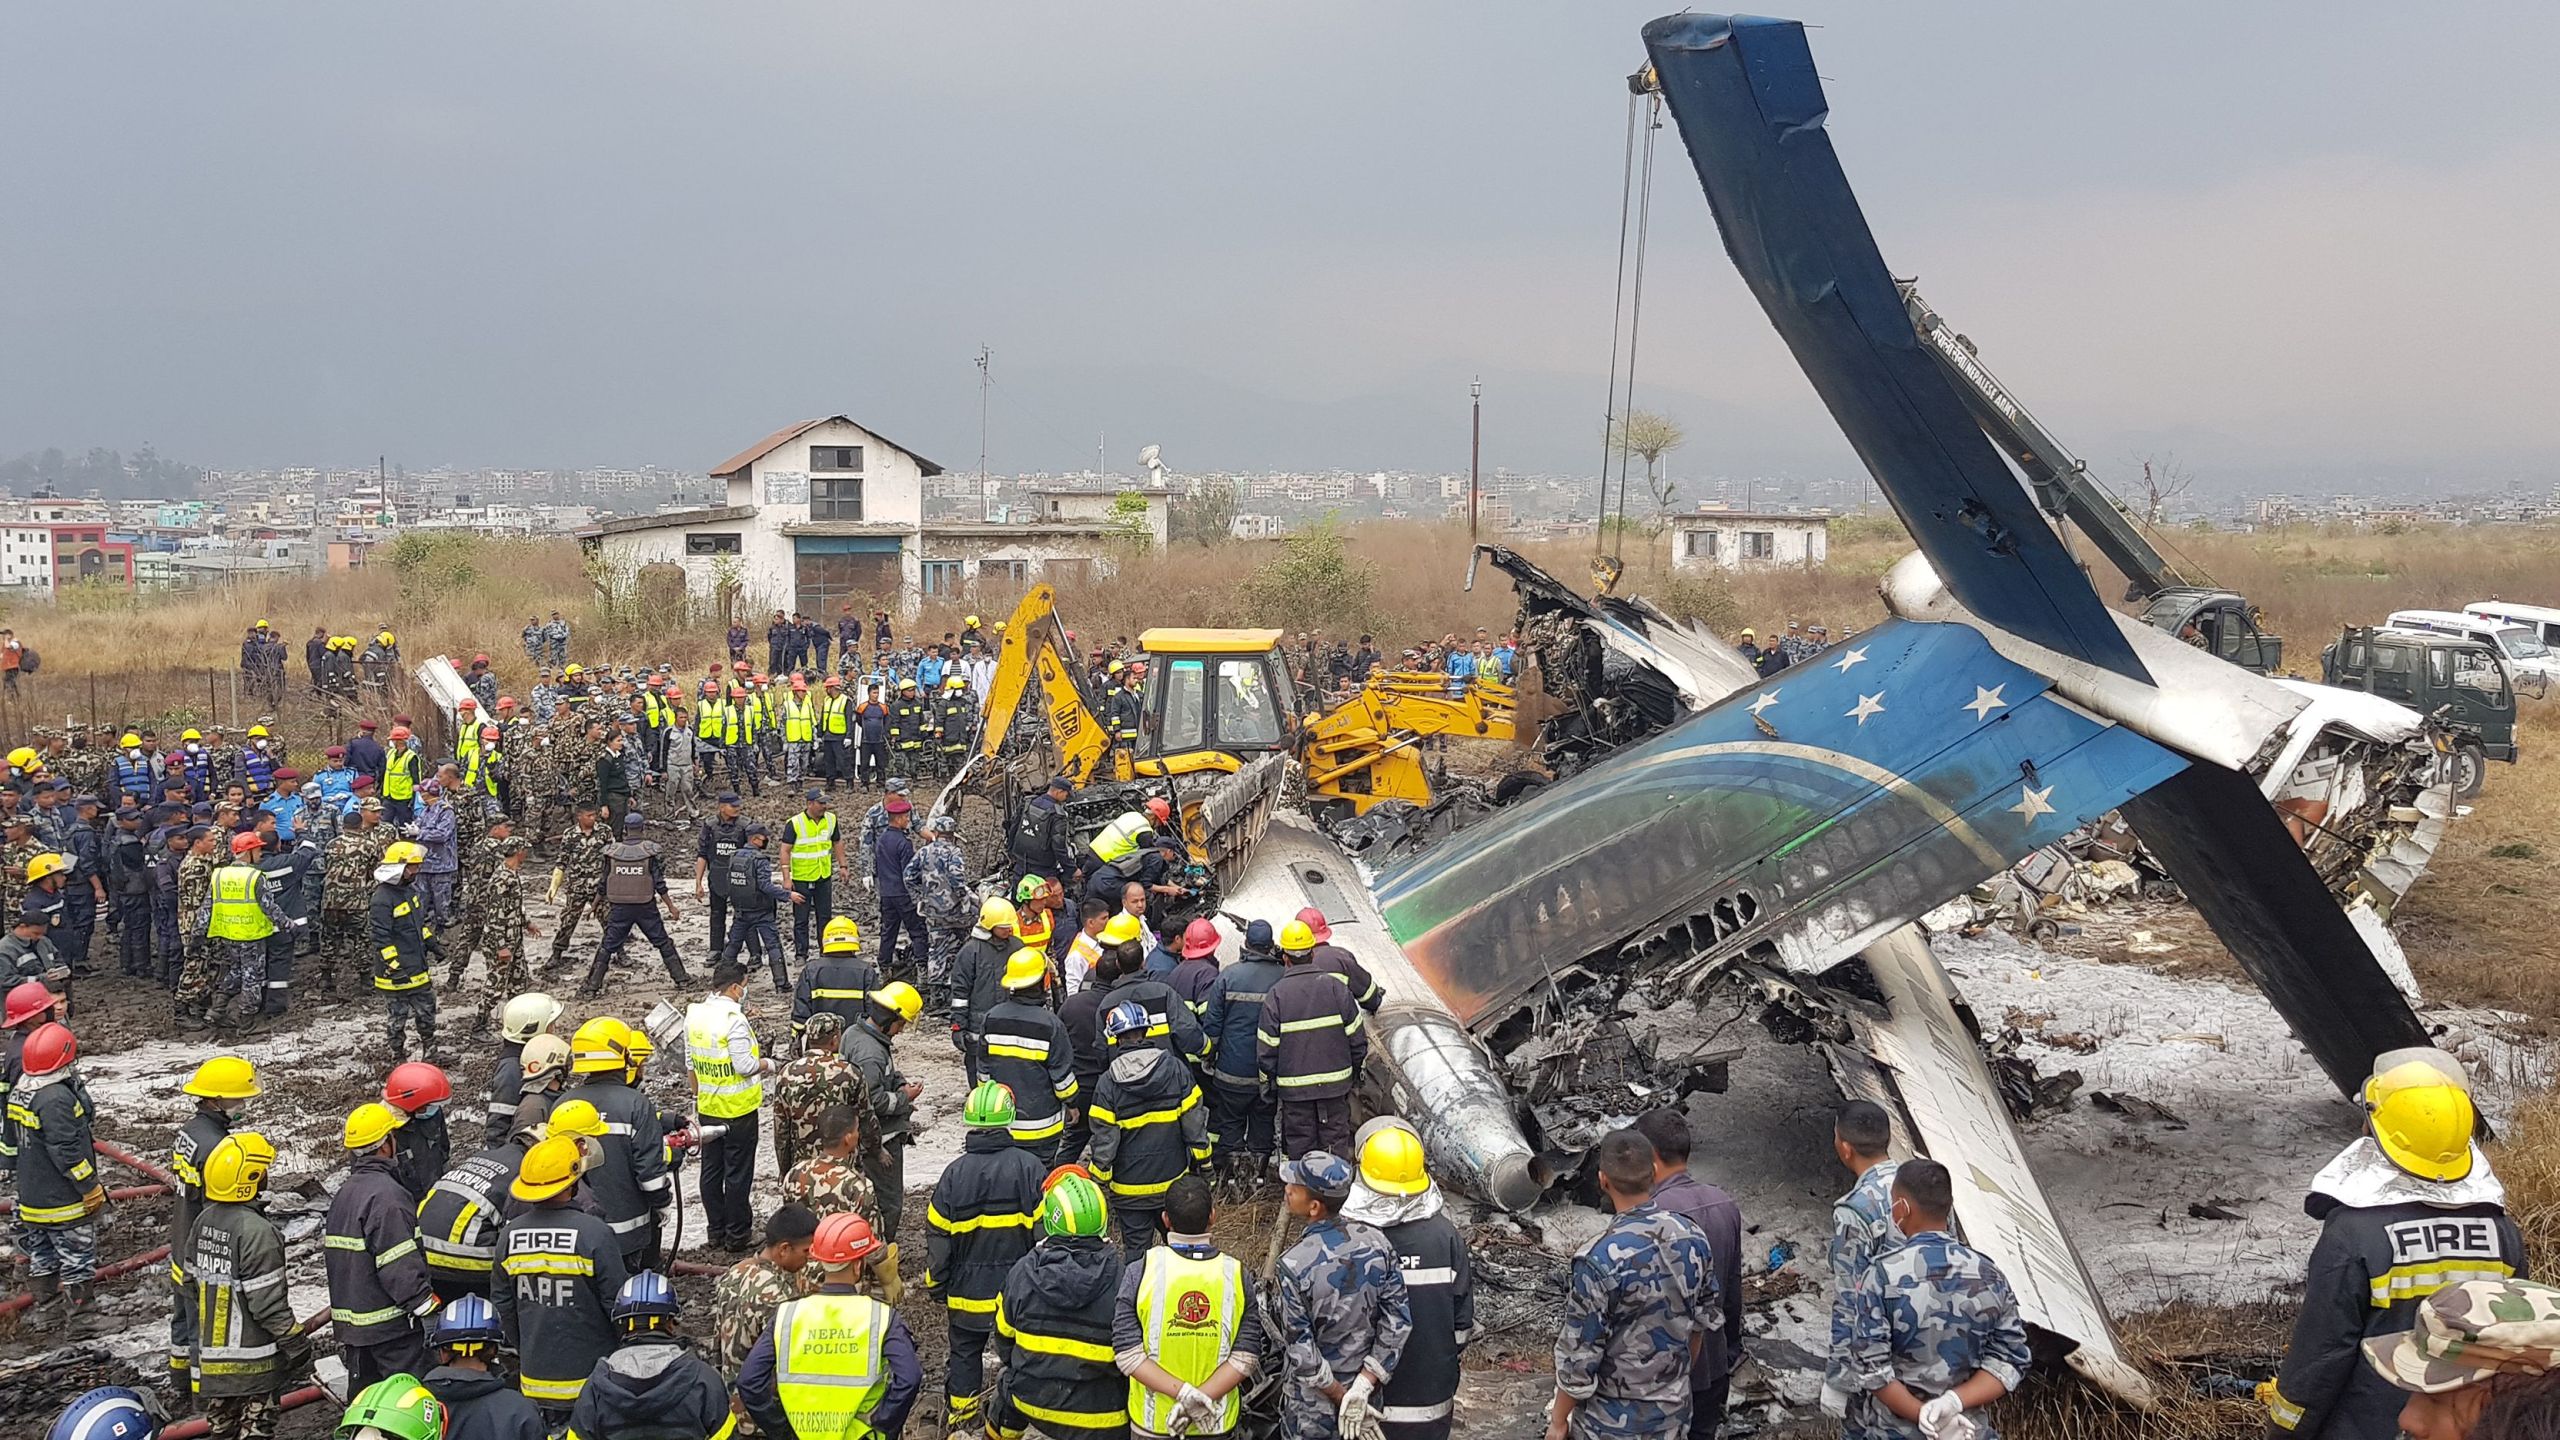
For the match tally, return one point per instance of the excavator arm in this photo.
(1363, 750)
(1033, 651)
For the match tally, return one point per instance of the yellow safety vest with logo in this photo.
(831, 1366)
(813, 846)
(1190, 1310)
(722, 1093)
(838, 714)
(799, 721)
(400, 774)
(236, 912)
(1119, 839)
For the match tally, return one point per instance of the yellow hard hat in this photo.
(1025, 968)
(48, 863)
(955, 682)
(973, 620)
(1296, 936)
(601, 1046)
(1122, 928)
(191, 733)
(257, 732)
(261, 625)
(237, 1169)
(128, 740)
(641, 1047)
(574, 668)
(2426, 1129)
(223, 1077)
(369, 1124)
(900, 997)
(550, 1167)
(995, 911)
(841, 934)
(1391, 1163)
(387, 638)
(575, 1117)
(404, 852)
(23, 758)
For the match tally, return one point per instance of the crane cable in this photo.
(1635, 195)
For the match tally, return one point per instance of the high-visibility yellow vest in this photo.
(467, 747)
(1119, 839)
(708, 720)
(236, 912)
(1190, 1311)
(478, 773)
(831, 1368)
(399, 774)
(838, 712)
(653, 709)
(722, 1093)
(799, 721)
(813, 846)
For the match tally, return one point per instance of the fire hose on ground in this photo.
(131, 1161)
(130, 1192)
(16, 1303)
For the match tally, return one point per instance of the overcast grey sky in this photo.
(2280, 239)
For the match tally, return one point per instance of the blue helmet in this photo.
(645, 1297)
(109, 1413)
(470, 1320)
(1126, 1018)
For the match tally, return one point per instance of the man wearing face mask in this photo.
(1934, 1331)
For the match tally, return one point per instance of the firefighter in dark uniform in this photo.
(1394, 1193)
(1172, 1025)
(1310, 1046)
(910, 730)
(558, 1271)
(222, 1086)
(1043, 838)
(635, 885)
(894, 1007)
(841, 982)
(1053, 1326)
(1149, 1127)
(632, 1188)
(1024, 1046)
(248, 1346)
(458, 1221)
(981, 1217)
(379, 1295)
(2406, 1211)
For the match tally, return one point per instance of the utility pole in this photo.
(1475, 456)
(986, 377)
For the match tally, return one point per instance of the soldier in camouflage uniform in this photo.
(1861, 1225)
(744, 1299)
(224, 758)
(21, 848)
(1932, 1325)
(2465, 1337)
(535, 762)
(501, 927)
(195, 900)
(1343, 1313)
(831, 1182)
(582, 880)
(1633, 1303)
(346, 937)
(938, 880)
(810, 1086)
(479, 861)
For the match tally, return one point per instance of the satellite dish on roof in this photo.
(1152, 460)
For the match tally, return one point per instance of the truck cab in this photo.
(2435, 672)
(1214, 698)
(2216, 621)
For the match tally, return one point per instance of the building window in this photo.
(1759, 544)
(711, 544)
(835, 457)
(835, 500)
(1011, 572)
(1702, 544)
(941, 577)
(864, 580)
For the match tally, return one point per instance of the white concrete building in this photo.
(827, 513)
(1740, 540)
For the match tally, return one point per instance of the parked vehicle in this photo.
(2460, 678)
(2530, 662)
(2543, 618)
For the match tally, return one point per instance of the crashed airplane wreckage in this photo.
(1780, 837)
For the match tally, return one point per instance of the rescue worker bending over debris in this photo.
(2405, 1211)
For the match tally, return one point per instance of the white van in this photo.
(2544, 619)
(2530, 662)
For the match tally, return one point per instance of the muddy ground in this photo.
(2251, 1119)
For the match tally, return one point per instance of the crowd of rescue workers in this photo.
(1123, 1084)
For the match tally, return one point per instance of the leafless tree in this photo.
(2163, 480)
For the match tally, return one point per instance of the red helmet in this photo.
(51, 1048)
(506, 703)
(466, 703)
(480, 659)
(399, 732)
(414, 1085)
(1200, 938)
(246, 843)
(843, 1238)
(1313, 919)
(1160, 809)
(28, 999)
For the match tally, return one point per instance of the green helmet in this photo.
(990, 1107)
(399, 1408)
(1074, 1206)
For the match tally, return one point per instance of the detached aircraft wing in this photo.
(1751, 112)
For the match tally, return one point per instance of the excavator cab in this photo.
(2217, 622)
(1214, 699)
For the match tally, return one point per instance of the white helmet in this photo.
(527, 1015)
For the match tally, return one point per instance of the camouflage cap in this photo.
(823, 1025)
(2469, 1332)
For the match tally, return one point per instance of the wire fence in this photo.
(173, 698)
